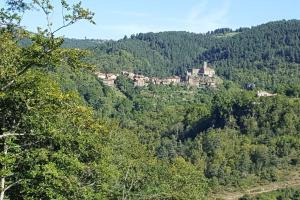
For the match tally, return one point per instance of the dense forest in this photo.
(266, 55)
(66, 135)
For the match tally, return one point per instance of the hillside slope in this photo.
(267, 55)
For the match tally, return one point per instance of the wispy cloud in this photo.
(130, 13)
(201, 18)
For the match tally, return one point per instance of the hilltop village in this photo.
(205, 76)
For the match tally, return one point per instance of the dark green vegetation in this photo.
(266, 55)
(64, 135)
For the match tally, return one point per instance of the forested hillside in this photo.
(66, 135)
(234, 138)
(81, 43)
(266, 55)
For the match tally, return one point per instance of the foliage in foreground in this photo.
(53, 146)
(64, 135)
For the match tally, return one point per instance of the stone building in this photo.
(156, 81)
(193, 81)
(205, 76)
(171, 80)
(206, 71)
(130, 75)
(107, 78)
(140, 80)
(264, 94)
(195, 72)
(100, 75)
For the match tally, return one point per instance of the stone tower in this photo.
(204, 65)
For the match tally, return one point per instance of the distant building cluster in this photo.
(140, 80)
(202, 76)
(107, 78)
(195, 77)
(264, 94)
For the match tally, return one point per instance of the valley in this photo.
(170, 115)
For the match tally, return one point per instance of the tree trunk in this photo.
(2, 189)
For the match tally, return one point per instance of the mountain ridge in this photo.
(265, 55)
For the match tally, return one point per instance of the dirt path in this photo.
(260, 189)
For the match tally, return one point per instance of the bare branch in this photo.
(131, 186)
(64, 26)
(47, 18)
(10, 83)
(11, 134)
(124, 196)
(11, 185)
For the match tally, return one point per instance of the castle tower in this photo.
(204, 65)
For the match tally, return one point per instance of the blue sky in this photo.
(116, 18)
